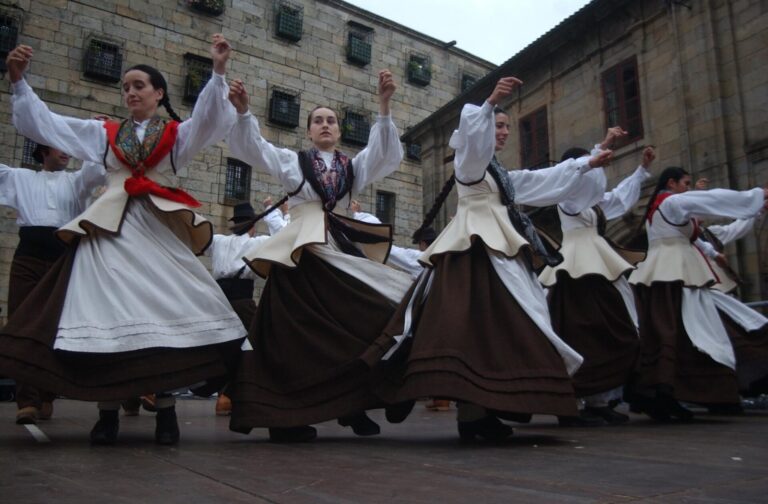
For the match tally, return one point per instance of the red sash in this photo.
(138, 184)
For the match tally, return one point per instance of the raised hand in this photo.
(238, 96)
(220, 52)
(649, 154)
(504, 88)
(18, 61)
(387, 88)
(268, 202)
(701, 184)
(355, 206)
(611, 135)
(601, 159)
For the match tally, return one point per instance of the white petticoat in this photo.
(143, 288)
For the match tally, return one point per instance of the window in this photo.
(413, 151)
(199, 71)
(284, 108)
(385, 207)
(534, 139)
(289, 20)
(238, 184)
(419, 70)
(26, 158)
(359, 39)
(211, 7)
(9, 33)
(467, 81)
(621, 98)
(355, 128)
(103, 61)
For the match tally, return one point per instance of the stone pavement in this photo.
(713, 460)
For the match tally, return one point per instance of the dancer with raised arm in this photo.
(129, 310)
(327, 295)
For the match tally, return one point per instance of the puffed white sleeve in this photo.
(212, 118)
(247, 144)
(549, 186)
(624, 196)
(84, 139)
(366, 217)
(380, 157)
(275, 221)
(707, 248)
(8, 193)
(474, 142)
(90, 176)
(679, 208)
(737, 229)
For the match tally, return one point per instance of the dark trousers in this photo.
(26, 273)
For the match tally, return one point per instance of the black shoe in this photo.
(398, 412)
(166, 426)
(583, 419)
(489, 428)
(608, 414)
(650, 407)
(105, 430)
(361, 424)
(300, 434)
(512, 417)
(675, 409)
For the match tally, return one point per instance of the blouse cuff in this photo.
(487, 108)
(20, 87)
(582, 164)
(245, 116)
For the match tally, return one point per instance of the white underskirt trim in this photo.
(704, 326)
(743, 315)
(622, 285)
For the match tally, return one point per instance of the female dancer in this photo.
(478, 317)
(590, 300)
(686, 354)
(129, 309)
(325, 300)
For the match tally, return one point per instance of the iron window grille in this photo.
(211, 7)
(284, 108)
(385, 207)
(621, 99)
(103, 61)
(9, 34)
(413, 151)
(199, 71)
(27, 160)
(419, 70)
(534, 139)
(467, 81)
(289, 21)
(237, 186)
(359, 42)
(355, 128)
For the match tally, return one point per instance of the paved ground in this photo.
(713, 460)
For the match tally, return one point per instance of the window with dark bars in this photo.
(355, 128)
(199, 71)
(9, 33)
(26, 157)
(385, 207)
(238, 184)
(103, 61)
(621, 99)
(284, 108)
(467, 81)
(534, 139)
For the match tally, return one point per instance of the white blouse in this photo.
(227, 251)
(44, 198)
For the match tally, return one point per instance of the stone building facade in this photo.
(291, 55)
(686, 76)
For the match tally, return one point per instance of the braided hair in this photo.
(158, 82)
(670, 173)
(430, 217)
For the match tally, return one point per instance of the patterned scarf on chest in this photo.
(134, 151)
(333, 179)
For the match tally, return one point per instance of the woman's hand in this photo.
(220, 52)
(387, 88)
(611, 135)
(18, 61)
(648, 156)
(238, 96)
(601, 159)
(503, 88)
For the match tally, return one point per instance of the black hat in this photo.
(37, 154)
(427, 234)
(243, 212)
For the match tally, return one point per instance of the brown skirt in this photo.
(27, 354)
(751, 350)
(473, 342)
(26, 273)
(311, 357)
(668, 359)
(589, 314)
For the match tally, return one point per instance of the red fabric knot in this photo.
(141, 185)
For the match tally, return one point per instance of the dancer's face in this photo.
(324, 129)
(141, 98)
(55, 160)
(679, 186)
(502, 130)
